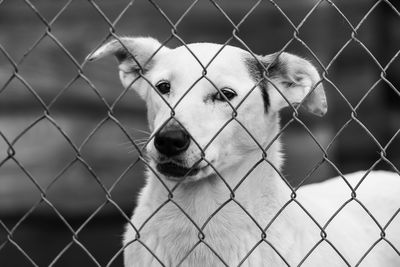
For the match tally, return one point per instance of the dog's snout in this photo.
(172, 142)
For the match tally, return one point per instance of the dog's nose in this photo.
(172, 142)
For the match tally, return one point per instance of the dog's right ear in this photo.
(295, 80)
(135, 56)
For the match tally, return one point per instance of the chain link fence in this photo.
(64, 175)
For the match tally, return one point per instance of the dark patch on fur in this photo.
(124, 56)
(256, 70)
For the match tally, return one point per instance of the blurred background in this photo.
(48, 111)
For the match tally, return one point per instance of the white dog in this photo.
(213, 197)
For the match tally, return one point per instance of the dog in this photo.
(215, 195)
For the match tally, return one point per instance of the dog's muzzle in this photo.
(171, 142)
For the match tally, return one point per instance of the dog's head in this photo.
(209, 105)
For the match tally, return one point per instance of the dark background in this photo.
(37, 147)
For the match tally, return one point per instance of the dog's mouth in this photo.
(174, 170)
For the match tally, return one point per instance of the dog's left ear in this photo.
(296, 79)
(135, 56)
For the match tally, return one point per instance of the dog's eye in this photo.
(163, 87)
(227, 92)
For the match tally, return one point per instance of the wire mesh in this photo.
(110, 117)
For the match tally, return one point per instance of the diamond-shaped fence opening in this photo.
(73, 140)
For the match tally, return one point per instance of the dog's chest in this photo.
(227, 238)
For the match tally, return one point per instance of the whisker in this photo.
(139, 144)
(135, 149)
(136, 141)
(125, 143)
(141, 131)
(141, 139)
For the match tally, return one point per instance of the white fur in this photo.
(231, 232)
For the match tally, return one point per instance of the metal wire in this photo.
(264, 148)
